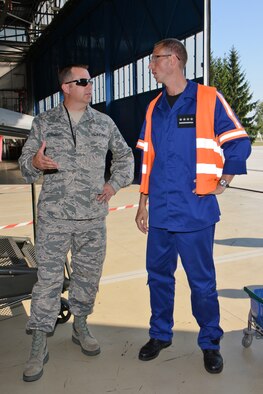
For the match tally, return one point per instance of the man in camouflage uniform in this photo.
(68, 144)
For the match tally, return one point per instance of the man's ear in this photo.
(173, 59)
(65, 88)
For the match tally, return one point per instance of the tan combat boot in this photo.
(82, 336)
(38, 357)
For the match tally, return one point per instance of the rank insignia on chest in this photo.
(186, 120)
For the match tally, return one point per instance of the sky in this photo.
(239, 23)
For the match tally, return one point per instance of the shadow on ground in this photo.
(246, 242)
(178, 369)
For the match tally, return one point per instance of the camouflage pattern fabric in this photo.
(71, 191)
(55, 237)
(69, 215)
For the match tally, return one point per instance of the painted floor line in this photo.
(229, 258)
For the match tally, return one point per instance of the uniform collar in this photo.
(188, 93)
(88, 113)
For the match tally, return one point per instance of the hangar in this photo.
(122, 89)
(115, 38)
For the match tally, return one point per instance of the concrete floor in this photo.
(121, 315)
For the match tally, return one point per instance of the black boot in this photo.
(152, 349)
(213, 360)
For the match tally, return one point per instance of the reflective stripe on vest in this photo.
(209, 158)
(209, 161)
(148, 150)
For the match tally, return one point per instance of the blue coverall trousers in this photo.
(196, 252)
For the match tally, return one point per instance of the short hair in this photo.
(175, 46)
(65, 72)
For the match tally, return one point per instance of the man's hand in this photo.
(219, 189)
(106, 194)
(42, 162)
(141, 218)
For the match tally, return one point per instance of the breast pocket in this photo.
(181, 149)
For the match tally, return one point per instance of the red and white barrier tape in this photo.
(8, 226)
(124, 207)
(16, 225)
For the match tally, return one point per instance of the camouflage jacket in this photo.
(70, 192)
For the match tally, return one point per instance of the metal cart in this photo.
(18, 274)
(255, 316)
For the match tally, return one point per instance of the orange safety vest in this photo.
(209, 157)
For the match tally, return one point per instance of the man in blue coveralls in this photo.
(185, 131)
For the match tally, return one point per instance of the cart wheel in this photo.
(64, 314)
(247, 340)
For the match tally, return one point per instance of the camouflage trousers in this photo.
(86, 239)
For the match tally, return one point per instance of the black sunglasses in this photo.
(81, 81)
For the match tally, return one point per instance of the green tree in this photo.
(219, 73)
(227, 76)
(259, 118)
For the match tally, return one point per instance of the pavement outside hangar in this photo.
(121, 314)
